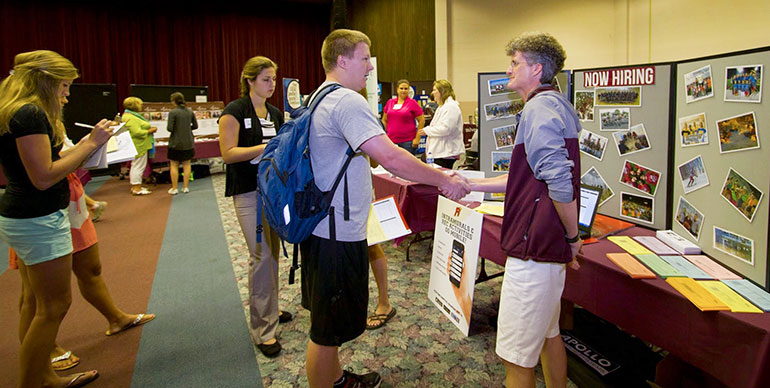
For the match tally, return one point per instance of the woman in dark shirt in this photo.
(33, 218)
(245, 125)
(181, 146)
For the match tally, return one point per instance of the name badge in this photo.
(247, 123)
(397, 106)
(268, 131)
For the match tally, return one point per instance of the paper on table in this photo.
(660, 267)
(697, 294)
(711, 267)
(731, 298)
(750, 291)
(629, 245)
(385, 221)
(633, 268)
(686, 268)
(655, 245)
(494, 208)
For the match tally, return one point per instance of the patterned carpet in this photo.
(419, 347)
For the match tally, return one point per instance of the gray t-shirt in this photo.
(343, 118)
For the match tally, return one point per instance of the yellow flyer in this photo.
(697, 294)
(629, 245)
(731, 298)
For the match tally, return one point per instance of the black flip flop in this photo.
(381, 319)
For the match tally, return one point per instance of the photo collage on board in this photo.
(607, 106)
(735, 133)
(499, 114)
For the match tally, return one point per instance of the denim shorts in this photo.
(40, 239)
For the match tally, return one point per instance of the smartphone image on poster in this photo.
(456, 264)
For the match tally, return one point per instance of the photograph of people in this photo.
(498, 86)
(616, 119)
(692, 130)
(241, 128)
(738, 133)
(698, 84)
(631, 141)
(742, 194)
(592, 144)
(743, 83)
(692, 174)
(399, 115)
(637, 207)
(504, 136)
(690, 218)
(619, 95)
(445, 132)
(530, 299)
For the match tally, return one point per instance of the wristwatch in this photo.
(573, 239)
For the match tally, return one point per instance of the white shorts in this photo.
(530, 302)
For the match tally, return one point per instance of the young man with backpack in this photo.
(335, 260)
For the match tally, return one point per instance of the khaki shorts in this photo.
(530, 302)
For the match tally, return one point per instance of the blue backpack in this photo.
(294, 205)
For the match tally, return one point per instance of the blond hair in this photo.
(445, 89)
(341, 42)
(251, 70)
(35, 79)
(133, 103)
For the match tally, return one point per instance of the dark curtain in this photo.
(140, 43)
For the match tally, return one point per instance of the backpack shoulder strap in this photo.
(317, 95)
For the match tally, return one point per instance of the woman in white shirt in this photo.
(445, 132)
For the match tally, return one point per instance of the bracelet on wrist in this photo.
(573, 239)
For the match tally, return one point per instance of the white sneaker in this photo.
(173, 191)
(185, 190)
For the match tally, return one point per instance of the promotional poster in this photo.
(455, 258)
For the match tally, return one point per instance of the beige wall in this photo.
(471, 34)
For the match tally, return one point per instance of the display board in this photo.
(721, 169)
(624, 144)
(498, 107)
(206, 114)
(162, 93)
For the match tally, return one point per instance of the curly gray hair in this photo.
(542, 48)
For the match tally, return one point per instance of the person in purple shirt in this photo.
(540, 230)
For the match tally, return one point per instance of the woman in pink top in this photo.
(399, 117)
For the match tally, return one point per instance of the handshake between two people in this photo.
(455, 186)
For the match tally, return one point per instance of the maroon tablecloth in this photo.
(732, 347)
(203, 149)
(418, 204)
